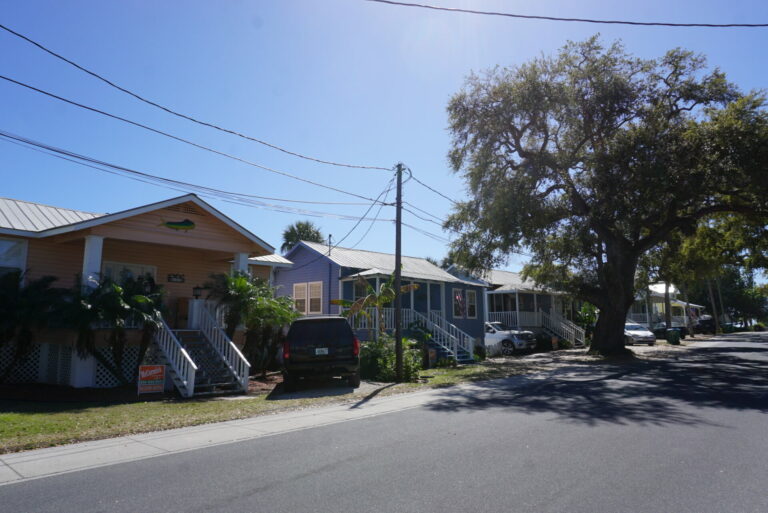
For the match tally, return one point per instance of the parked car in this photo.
(636, 334)
(321, 347)
(502, 339)
(660, 330)
(704, 324)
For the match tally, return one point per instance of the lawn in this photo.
(32, 424)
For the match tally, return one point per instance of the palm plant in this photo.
(376, 299)
(145, 298)
(236, 293)
(24, 309)
(298, 231)
(264, 323)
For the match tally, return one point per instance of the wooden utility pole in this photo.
(398, 257)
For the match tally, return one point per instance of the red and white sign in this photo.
(151, 379)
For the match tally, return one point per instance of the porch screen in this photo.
(13, 253)
(300, 297)
(316, 297)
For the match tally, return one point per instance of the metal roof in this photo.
(35, 217)
(508, 281)
(273, 260)
(373, 263)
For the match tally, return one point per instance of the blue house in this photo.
(451, 307)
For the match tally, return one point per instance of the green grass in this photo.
(30, 425)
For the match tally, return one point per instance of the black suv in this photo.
(321, 346)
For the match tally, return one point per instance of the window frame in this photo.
(304, 298)
(310, 297)
(467, 293)
(115, 263)
(458, 299)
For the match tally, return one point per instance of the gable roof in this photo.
(36, 220)
(373, 263)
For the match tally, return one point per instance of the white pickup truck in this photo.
(503, 340)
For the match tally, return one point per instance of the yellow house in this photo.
(180, 242)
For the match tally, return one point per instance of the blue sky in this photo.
(343, 80)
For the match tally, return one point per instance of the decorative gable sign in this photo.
(183, 226)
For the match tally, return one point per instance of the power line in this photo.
(428, 234)
(578, 20)
(180, 139)
(423, 211)
(433, 189)
(387, 188)
(228, 196)
(378, 212)
(179, 114)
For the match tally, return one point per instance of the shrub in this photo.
(377, 360)
(564, 344)
(758, 326)
(480, 353)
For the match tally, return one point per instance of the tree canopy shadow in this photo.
(644, 392)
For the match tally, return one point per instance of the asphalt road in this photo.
(690, 435)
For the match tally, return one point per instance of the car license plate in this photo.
(321, 350)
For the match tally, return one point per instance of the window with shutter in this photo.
(471, 304)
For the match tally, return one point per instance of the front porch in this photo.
(535, 311)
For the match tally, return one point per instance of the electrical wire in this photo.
(578, 20)
(180, 139)
(332, 247)
(186, 187)
(434, 190)
(179, 114)
(423, 211)
(378, 213)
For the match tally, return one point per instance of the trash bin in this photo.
(673, 337)
(555, 340)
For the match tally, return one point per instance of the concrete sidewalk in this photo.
(51, 461)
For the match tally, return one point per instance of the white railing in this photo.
(226, 349)
(178, 359)
(445, 334)
(530, 319)
(506, 318)
(562, 327)
(641, 318)
(466, 342)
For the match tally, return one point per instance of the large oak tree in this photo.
(593, 156)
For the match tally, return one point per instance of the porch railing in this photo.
(444, 334)
(222, 344)
(506, 318)
(178, 359)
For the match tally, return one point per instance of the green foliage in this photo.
(543, 342)
(590, 158)
(299, 231)
(377, 360)
(24, 309)
(251, 302)
(758, 326)
(480, 354)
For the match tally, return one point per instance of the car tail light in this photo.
(286, 350)
(355, 346)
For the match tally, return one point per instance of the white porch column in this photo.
(485, 305)
(517, 309)
(429, 298)
(94, 245)
(241, 263)
(536, 310)
(442, 301)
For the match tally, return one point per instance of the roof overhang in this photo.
(117, 216)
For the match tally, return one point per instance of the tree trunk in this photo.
(616, 276)
(725, 316)
(667, 306)
(649, 308)
(714, 308)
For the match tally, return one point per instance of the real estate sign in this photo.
(151, 379)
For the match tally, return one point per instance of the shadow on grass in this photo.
(643, 392)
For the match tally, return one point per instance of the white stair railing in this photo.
(466, 341)
(226, 349)
(178, 359)
(562, 327)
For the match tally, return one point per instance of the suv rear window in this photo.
(316, 332)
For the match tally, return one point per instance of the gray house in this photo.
(451, 307)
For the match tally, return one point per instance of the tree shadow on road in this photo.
(647, 392)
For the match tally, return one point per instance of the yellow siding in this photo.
(48, 258)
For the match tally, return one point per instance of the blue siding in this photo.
(309, 266)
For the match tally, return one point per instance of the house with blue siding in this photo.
(451, 307)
